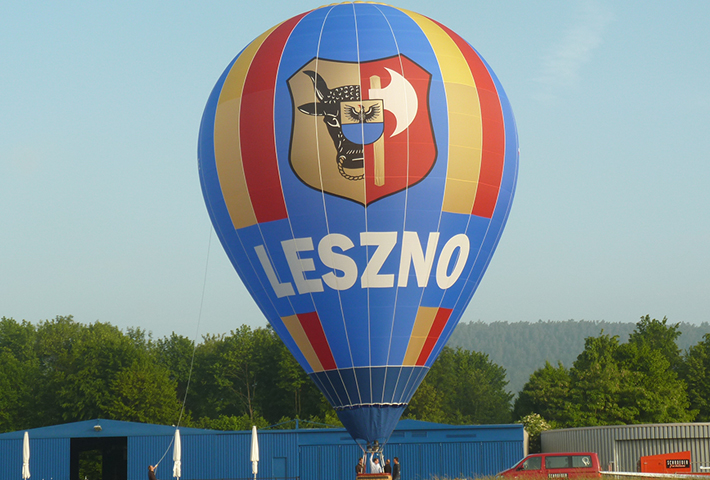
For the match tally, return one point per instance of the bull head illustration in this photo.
(399, 97)
(349, 154)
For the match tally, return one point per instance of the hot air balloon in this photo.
(358, 163)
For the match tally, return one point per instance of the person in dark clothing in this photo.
(151, 472)
(388, 467)
(396, 469)
(359, 468)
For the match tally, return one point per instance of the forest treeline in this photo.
(60, 371)
(523, 347)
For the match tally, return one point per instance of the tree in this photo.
(658, 335)
(292, 378)
(64, 371)
(210, 402)
(96, 371)
(696, 372)
(17, 383)
(546, 393)
(98, 354)
(236, 371)
(232, 370)
(596, 383)
(251, 372)
(614, 384)
(232, 422)
(658, 394)
(143, 392)
(18, 338)
(19, 376)
(55, 341)
(426, 404)
(175, 354)
(284, 389)
(523, 347)
(466, 387)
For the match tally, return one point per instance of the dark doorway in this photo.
(99, 458)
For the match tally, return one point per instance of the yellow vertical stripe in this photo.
(293, 324)
(422, 327)
(464, 111)
(227, 151)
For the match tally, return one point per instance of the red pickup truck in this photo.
(555, 465)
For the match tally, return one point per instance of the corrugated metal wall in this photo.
(328, 461)
(599, 440)
(426, 451)
(620, 447)
(148, 450)
(40, 448)
(214, 455)
(423, 460)
(231, 450)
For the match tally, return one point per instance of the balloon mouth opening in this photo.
(369, 405)
(371, 425)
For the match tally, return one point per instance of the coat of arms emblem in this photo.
(361, 131)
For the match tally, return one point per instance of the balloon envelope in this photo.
(358, 163)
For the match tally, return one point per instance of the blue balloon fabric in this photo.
(358, 163)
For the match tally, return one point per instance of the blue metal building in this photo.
(425, 450)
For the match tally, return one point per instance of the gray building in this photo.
(620, 446)
(126, 449)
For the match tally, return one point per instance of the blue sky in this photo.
(102, 217)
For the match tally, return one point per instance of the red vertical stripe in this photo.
(442, 316)
(314, 331)
(493, 157)
(256, 131)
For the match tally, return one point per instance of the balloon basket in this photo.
(373, 476)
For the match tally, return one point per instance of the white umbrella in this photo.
(177, 454)
(26, 456)
(254, 452)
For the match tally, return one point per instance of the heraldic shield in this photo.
(361, 131)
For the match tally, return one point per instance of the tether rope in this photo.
(194, 347)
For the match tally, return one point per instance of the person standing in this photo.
(151, 472)
(360, 467)
(396, 469)
(375, 466)
(388, 467)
